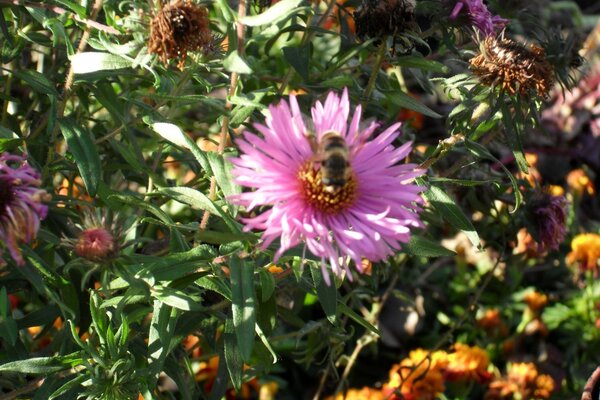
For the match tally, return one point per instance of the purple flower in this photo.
(547, 215)
(478, 15)
(21, 205)
(368, 217)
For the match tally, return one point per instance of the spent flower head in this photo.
(366, 214)
(513, 67)
(178, 28)
(476, 14)
(547, 217)
(21, 207)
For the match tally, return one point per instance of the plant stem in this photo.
(374, 72)
(224, 133)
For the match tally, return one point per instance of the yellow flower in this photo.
(585, 251)
(580, 183)
(467, 363)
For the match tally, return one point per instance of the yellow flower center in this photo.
(315, 193)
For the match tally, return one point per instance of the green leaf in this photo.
(243, 304)
(233, 357)
(175, 135)
(273, 14)
(200, 201)
(85, 63)
(265, 341)
(177, 299)
(513, 135)
(267, 284)
(298, 57)
(43, 365)
(9, 144)
(421, 247)
(451, 213)
(38, 82)
(162, 332)
(222, 171)
(327, 294)
(421, 63)
(404, 100)
(344, 309)
(235, 63)
(81, 144)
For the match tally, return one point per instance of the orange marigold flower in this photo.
(536, 301)
(579, 183)
(365, 393)
(492, 323)
(585, 250)
(512, 66)
(523, 381)
(467, 363)
(417, 377)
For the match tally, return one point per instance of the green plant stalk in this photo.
(373, 78)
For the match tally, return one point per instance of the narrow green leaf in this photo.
(85, 63)
(357, 318)
(404, 100)
(451, 213)
(235, 63)
(421, 247)
(513, 136)
(43, 365)
(267, 284)
(222, 171)
(177, 299)
(9, 144)
(81, 144)
(233, 357)
(421, 63)
(265, 341)
(243, 304)
(273, 14)
(162, 332)
(298, 57)
(327, 294)
(38, 82)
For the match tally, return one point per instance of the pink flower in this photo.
(478, 15)
(368, 217)
(21, 207)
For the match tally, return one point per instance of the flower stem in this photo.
(375, 72)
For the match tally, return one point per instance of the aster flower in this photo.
(178, 28)
(368, 217)
(21, 207)
(546, 215)
(477, 15)
(513, 67)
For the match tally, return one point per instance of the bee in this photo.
(333, 154)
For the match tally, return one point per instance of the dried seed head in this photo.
(177, 29)
(380, 18)
(513, 66)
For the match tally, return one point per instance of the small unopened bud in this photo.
(96, 244)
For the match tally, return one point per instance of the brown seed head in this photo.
(513, 67)
(180, 27)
